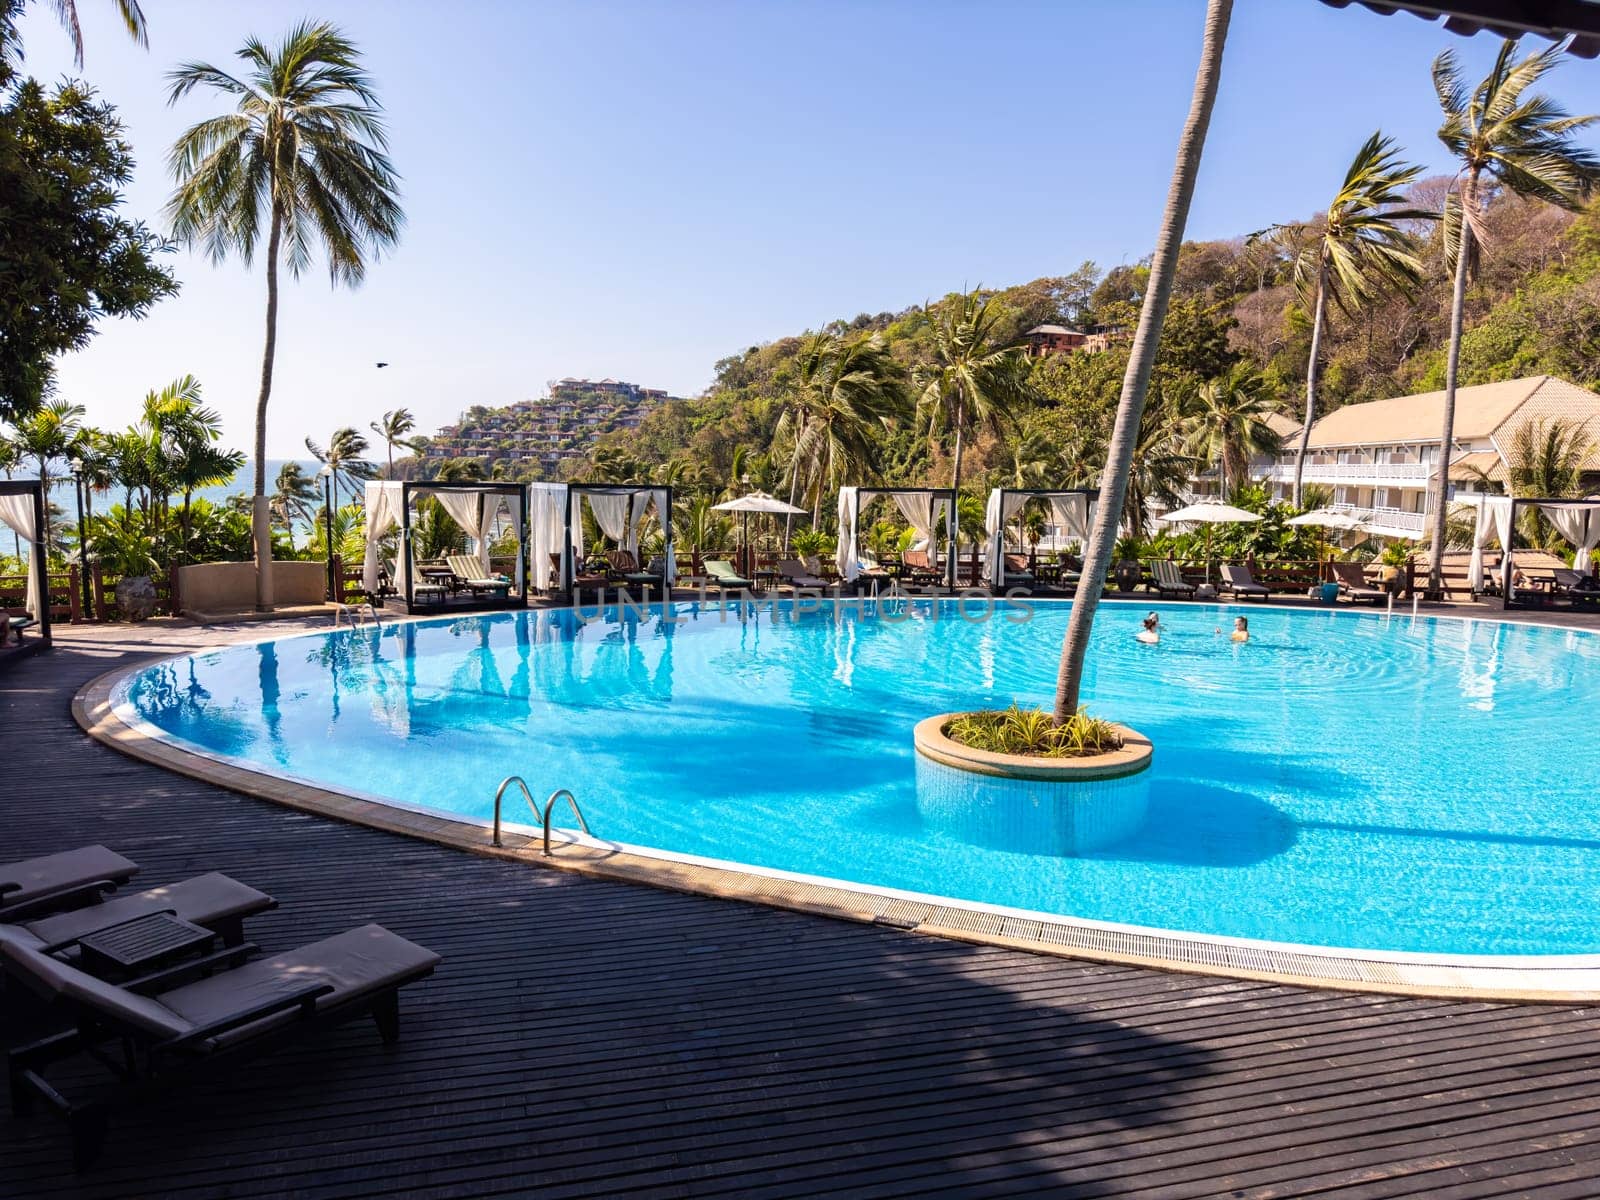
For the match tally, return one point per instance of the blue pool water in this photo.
(1344, 779)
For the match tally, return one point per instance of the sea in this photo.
(61, 489)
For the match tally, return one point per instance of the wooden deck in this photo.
(586, 1038)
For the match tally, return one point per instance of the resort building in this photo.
(1058, 339)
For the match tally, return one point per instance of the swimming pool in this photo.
(1344, 779)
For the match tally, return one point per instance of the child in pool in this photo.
(1150, 635)
(1241, 629)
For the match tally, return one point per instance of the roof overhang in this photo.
(1554, 19)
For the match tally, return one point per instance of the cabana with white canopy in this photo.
(22, 510)
(922, 508)
(476, 507)
(555, 524)
(1071, 511)
(1578, 521)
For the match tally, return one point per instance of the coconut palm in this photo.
(978, 379)
(1547, 458)
(47, 436)
(301, 157)
(185, 435)
(392, 431)
(293, 494)
(1141, 359)
(1504, 140)
(132, 19)
(1227, 423)
(1359, 249)
(845, 392)
(1161, 469)
(343, 460)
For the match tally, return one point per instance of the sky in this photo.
(637, 190)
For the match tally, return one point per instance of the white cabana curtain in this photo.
(641, 503)
(847, 551)
(466, 509)
(1580, 525)
(922, 511)
(384, 500)
(1494, 524)
(1001, 508)
(610, 513)
(547, 518)
(17, 512)
(1073, 512)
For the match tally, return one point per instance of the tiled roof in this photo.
(1481, 410)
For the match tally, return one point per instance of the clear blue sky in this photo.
(638, 189)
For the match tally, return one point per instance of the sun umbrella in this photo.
(1323, 518)
(1209, 514)
(755, 502)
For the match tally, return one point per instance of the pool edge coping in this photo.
(1481, 977)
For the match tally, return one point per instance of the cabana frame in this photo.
(515, 493)
(38, 559)
(572, 514)
(1588, 512)
(847, 557)
(997, 567)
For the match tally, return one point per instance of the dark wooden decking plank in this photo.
(591, 1038)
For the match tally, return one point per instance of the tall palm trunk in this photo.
(1313, 371)
(261, 503)
(1441, 483)
(955, 486)
(794, 482)
(1130, 408)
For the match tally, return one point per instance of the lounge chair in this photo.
(1165, 579)
(53, 882)
(917, 567)
(213, 901)
(1353, 583)
(181, 1022)
(721, 575)
(1236, 578)
(626, 568)
(794, 573)
(469, 574)
(1018, 572)
(1575, 584)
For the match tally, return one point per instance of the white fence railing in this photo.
(1375, 474)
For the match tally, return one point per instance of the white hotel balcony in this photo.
(1398, 474)
(1386, 522)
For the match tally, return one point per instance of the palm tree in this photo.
(48, 435)
(293, 494)
(1360, 249)
(1547, 458)
(1504, 140)
(1160, 469)
(392, 430)
(1228, 423)
(303, 153)
(185, 434)
(343, 455)
(1141, 359)
(128, 10)
(978, 379)
(845, 392)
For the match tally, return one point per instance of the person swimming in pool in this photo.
(1241, 629)
(1150, 634)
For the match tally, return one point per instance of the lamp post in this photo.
(80, 495)
(327, 524)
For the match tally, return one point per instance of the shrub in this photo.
(1033, 732)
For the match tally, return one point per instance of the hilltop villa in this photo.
(1380, 457)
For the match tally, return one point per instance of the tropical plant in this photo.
(303, 153)
(1033, 732)
(1547, 458)
(349, 534)
(1227, 423)
(132, 20)
(977, 378)
(1504, 140)
(811, 543)
(293, 494)
(1141, 359)
(183, 436)
(1161, 467)
(1359, 248)
(392, 432)
(342, 458)
(48, 436)
(124, 547)
(845, 390)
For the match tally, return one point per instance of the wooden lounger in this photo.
(467, 570)
(1238, 580)
(1166, 580)
(213, 901)
(723, 576)
(180, 1023)
(53, 882)
(1353, 583)
(794, 572)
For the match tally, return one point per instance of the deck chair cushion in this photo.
(203, 900)
(36, 877)
(48, 976)
(355, 963)
(1241, 581)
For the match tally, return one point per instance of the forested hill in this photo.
(1534, 308)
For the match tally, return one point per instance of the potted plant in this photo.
(128, 551)
(1129, 569)
(810, 545)
(1392, 566)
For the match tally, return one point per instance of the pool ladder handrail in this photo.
(544, 814)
